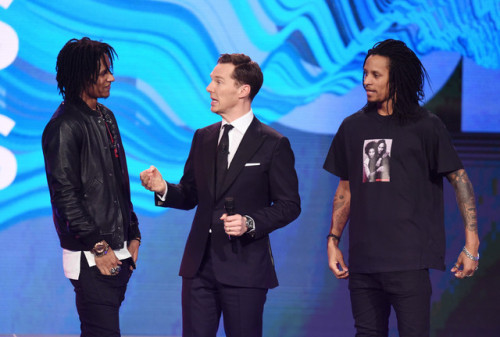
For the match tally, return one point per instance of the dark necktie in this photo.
(222, 153)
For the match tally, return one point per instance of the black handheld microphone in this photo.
(229, 206)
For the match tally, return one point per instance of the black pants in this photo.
(98, 299)
(204, 299)
(408, 292)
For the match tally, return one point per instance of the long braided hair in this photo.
(78, 65)
(406, 78)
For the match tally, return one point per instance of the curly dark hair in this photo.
(78, 65)
(406, 78)
(370, 145)
(246, 71)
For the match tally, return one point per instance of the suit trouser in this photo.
(98, 299)
(408, 292)
(203, 300)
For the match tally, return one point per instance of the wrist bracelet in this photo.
(470, 256)
(336, 237)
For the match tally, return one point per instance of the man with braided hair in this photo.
(89, 187)
(396, 221)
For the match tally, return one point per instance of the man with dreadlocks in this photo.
(89, 187)
(396, 223)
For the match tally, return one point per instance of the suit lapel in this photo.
(250, 143)
(209, 148)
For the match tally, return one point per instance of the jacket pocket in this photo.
(90, 187)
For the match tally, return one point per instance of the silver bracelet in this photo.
(469, 255)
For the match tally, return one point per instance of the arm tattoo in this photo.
(465, 198)
(341, 209)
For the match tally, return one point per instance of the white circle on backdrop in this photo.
(9, 45)
(8, 167)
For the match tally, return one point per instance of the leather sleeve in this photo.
(61, 143)
(134, 231)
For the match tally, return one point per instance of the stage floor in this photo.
(16, 335)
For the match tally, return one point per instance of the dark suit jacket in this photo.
(267, 192)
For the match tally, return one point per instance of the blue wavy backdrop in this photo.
(311, 53)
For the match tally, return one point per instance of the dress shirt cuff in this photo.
(164, 196)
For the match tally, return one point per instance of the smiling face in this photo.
(226, 93)
(101, 88)
(376, 82)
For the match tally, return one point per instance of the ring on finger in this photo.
(115, 270)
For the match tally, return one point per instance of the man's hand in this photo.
(340, 215)
(152, 180)
(336, 260)
(133, 249)
(469, 266)
(106, 262)
(234, 225)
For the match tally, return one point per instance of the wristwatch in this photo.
(100, 248)
(250, 226)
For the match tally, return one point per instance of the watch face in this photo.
(250, 224)
(99, 248)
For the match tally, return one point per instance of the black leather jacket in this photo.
(81, 178)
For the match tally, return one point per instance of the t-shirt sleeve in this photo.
(336, 159)
(444, 155)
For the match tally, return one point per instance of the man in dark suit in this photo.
(240, 173)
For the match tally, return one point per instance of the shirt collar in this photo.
(242, 123)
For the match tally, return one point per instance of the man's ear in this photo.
(245, 90)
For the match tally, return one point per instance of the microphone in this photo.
(229, 206)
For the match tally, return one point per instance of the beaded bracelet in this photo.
(469, 255)
(333, 236)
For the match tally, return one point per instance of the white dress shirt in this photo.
(236, 134)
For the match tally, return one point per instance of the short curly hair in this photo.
(246, 71)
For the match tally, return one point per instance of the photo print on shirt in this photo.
(377, 160)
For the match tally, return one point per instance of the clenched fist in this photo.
(152, 180)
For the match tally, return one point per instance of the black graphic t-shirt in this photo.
(395, 174)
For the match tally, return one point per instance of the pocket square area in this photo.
(252, 164)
